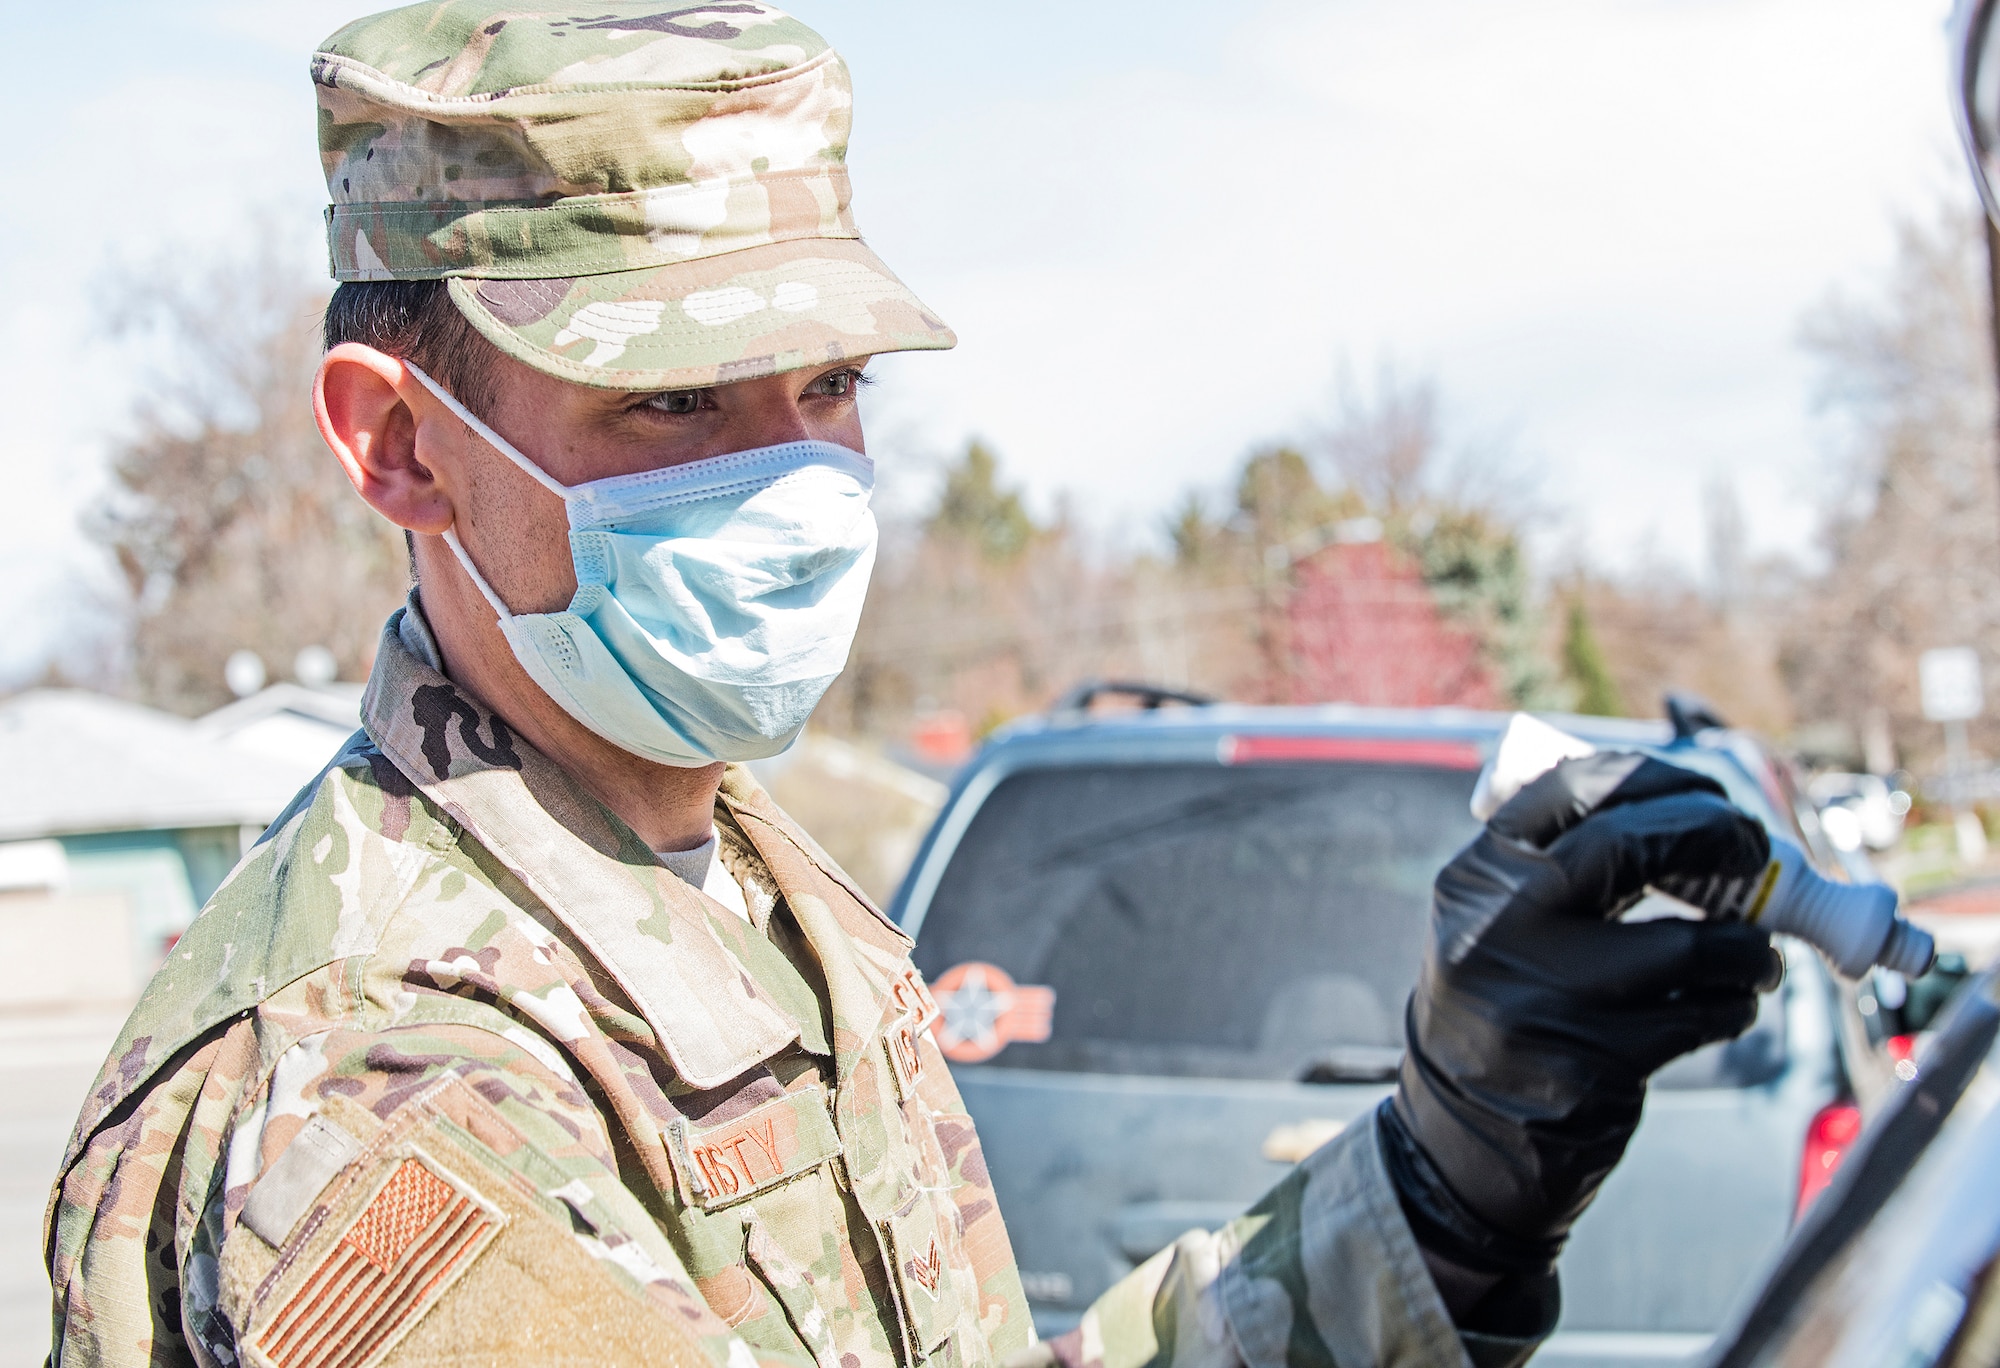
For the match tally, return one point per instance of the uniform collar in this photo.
(861, 953)
(648, 929)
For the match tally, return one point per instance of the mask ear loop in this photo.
(505, 448)
(478, 580)
(492, 438)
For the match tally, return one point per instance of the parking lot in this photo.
(46, 1064)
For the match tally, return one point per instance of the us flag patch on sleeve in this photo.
(412, 1239)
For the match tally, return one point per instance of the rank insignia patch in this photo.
(415, 1235)
(926, 1268)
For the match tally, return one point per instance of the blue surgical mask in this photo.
(715, 600)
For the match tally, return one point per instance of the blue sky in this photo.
(1159, 228)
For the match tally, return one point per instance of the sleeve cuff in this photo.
(1327, 1271)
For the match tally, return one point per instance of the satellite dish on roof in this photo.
(243, 672)
(315, 667)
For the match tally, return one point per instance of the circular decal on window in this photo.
(981, 1011)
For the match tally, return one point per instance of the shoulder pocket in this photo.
(445, 1237)
(387, 1236)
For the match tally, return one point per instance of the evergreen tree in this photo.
(973, 508)
(1192, 533)
(1278, 497)
(1584, 663)
(1474, 565)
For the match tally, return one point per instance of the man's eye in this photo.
(676, 401)
(841, 384)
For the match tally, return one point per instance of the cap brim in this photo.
(760, 311)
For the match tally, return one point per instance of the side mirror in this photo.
(1908, 1006)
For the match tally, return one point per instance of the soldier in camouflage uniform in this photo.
(465, 1061)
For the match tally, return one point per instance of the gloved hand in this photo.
(1538, 1018)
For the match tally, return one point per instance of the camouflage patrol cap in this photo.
(619, 194)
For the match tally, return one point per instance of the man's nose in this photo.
(769, 412)
(787, 425)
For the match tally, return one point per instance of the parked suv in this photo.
(1173, 948)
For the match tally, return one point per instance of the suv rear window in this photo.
(1259, 921)
(1251, 922)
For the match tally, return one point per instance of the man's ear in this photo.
(359, 398)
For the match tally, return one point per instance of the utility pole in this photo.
(1993, 312)
(1954, 693)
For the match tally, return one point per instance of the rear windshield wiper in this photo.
(1354, 1064)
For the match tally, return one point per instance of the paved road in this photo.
(46, 1066)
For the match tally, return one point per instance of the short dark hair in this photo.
(417, 321)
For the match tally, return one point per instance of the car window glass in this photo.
(1232, 922)
(1899, 1263)
(1261, 921)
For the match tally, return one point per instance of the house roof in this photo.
(289, 723)
(335, 704)
(73, 762)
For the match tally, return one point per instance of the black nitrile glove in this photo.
(1538, 1018)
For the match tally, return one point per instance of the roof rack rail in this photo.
(1150, 696)
(1691, 715)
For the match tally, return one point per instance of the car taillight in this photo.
(1829, 1137)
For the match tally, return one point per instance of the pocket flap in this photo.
(739, 1158)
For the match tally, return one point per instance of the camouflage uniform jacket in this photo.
(453, 1068)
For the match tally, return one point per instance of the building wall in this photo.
(89, 918)
(67, 950)
(166, 876)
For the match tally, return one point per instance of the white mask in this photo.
(715, 601)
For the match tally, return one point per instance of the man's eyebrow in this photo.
(640, 396)
(858, 364)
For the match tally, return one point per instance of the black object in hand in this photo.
(1538, 1017)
